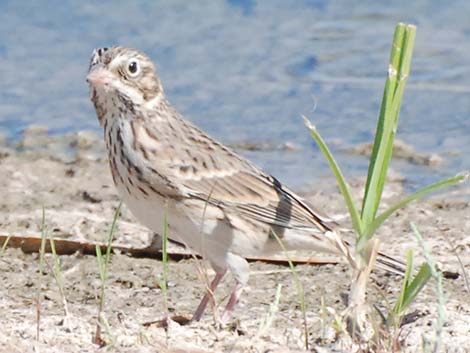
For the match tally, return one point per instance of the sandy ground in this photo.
(76, 190)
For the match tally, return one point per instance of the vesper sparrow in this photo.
(216, 202)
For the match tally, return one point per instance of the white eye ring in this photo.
(133, 67)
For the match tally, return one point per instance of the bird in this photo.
(170, 173)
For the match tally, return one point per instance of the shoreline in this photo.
(79, 199)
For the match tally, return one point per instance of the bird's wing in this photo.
(201, 167)
(259, 197)
(208, 170)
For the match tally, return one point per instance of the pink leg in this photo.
(234, 297)
(210, 294)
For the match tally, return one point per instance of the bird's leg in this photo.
(241, 272)
(209, 295)
(234, 297)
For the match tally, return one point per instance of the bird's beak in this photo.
(99, 77)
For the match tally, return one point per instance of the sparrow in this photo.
(213, 200)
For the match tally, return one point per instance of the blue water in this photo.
(245, 70)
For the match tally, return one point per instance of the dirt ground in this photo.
(69, 176)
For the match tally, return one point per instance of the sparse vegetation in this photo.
(103, 266)
(57, 271)
(366, 221)
(435, 344)
(42, 252)
(268, 321)
(298, 287)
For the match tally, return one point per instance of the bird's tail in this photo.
(390, 264)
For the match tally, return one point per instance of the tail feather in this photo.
(390, 264)
(383, 261)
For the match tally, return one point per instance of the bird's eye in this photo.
(133, 67)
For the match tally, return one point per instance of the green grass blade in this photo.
(59, 276)
(103, 261)
(298, 286)
(42, 260)
(111, 233)
(441, 296)
(414, 288)
(369, 231)
(267, 322)
(378, 159)
(402, 76)
(99, 259)
(103, 265)
(416, 285)
(343, 186)
(405, 63)
(411, 287)
(57, 267)
(406, 281)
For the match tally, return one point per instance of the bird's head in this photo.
(122, 73)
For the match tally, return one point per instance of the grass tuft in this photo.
(298, 286)
(57, 271)
(103, 266)
(366, 221)
(267, 323)
(410, 290)
(441, 296)
(42, 251)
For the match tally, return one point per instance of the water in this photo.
(245, 70)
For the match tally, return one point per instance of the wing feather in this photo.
(203, 168)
